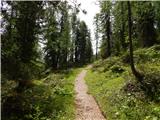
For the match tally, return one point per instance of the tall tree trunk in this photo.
(97, 47)
(108, 36)
(76, 51)
(97, 37)
(72, 52)
(122, 27)
(66, 56)
(134, 71)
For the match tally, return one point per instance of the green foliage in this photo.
(62, 46)
(57, 35)
(83, 46)
(50, 98)
(105, 28)
(150, 54)
(97, 31)
(144, 55)
(103, 49)
(120, 30)
(145, 25)
(88, 49)
(146, 19)
(147, 60)
(119, 95)
(117, 69)
(151, 80)
(19, 40)
(66, 41)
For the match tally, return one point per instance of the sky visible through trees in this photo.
(91, 6)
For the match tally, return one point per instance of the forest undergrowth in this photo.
(119, 94)
(50, 98)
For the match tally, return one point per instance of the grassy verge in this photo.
(51, 98)
(119, 95)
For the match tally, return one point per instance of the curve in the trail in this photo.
(86, 106)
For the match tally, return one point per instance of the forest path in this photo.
(86, 106)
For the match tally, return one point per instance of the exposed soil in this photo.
(86, 106)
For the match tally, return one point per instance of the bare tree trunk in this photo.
(134, 71)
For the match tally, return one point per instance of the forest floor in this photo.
(119, 95)
(86, 106)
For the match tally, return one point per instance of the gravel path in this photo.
(86, 106)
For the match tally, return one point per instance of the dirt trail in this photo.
(86, 106)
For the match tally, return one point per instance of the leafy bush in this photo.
(49, 98)
(151, 54)
(117, 69)
(126, 58)
(151, 81)
(147, 54)
(105, 65)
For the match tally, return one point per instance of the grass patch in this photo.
(118, 93)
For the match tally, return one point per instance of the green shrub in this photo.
(126, 58)
(151, 80)
(117, 69)
(51, 98)
(151, 54)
